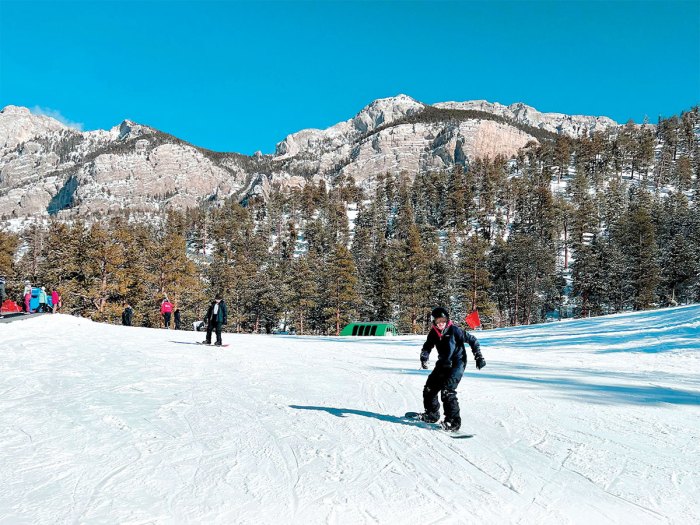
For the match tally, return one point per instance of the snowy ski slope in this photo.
(589, 421)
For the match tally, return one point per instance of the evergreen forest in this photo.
(608, 222)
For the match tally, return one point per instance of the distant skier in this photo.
(27, 296)
(55, 300)
(176, 316)
(127, 314)
(42, 300)
(215, 319)
(166, 310)
(449, 340)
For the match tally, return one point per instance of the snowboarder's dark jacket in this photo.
(450, 346)
(220, 315)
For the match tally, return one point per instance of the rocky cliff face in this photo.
(47, 168)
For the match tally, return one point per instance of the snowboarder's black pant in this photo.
(166, 319)
(443, 380)
(213, 325)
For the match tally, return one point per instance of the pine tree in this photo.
(500, 290)
(457, 201)
(562, 155)
(9, 243)
(266, 303)
(411, 280)
(644, 154)
(53, 250)
(616, 287)
(382, 282)
(33, 239)
(474, 281)
(105, 280)
(683, 176)
(584, 220)
(304, 292)
(677, 254)
(174, 270)
(641, 249)
(585, 278)
(68, 246)
(362, 253)
(440, 273)
(680, 269)
(340, 285)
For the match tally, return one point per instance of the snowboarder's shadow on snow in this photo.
(343, 412)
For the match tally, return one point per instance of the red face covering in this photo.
(441, 332)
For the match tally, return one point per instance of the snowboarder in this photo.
(127, 314)
(166, 309)
(215, 319)
(449, 340)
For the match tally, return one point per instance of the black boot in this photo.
(430, 417)
(451, 425)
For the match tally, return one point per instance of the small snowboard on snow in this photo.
(416, 416)
(210, 344)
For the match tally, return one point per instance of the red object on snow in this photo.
(10, 307)
(473, 320)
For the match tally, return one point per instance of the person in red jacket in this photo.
(166, 310)
(55, 300)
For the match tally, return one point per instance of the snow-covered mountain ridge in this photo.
(48, 168)
(586, 421)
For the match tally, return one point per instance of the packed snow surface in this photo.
(589, 421)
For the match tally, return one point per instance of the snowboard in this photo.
(219, 346)
(415, 416)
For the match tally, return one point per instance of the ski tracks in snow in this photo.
(303, 430)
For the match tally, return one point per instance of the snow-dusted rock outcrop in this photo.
(48, 168)
(18, 124)
(572, 125)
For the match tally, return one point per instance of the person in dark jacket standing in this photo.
(127, 314)
(215, 319)
(449, 340)
(176, 316)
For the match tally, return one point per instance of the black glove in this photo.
(424, 365)
(480, 362)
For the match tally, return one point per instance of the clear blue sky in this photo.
(240, 76)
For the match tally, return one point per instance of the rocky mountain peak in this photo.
(385, 111)
(19, 124)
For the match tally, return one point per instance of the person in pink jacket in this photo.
(55, 300)
(27, 296)
(166, 310)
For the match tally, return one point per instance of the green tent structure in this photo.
(379, 328)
